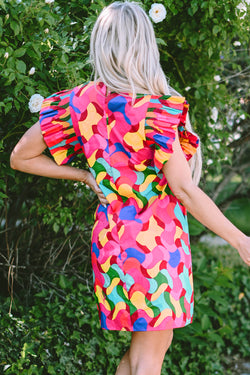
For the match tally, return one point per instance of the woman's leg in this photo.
(124, 365)
(146, 353)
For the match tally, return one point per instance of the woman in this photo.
(135, 136)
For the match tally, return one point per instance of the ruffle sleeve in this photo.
(166, 115)
(57, 127)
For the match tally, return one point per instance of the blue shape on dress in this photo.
(174, 259)
(129, 213)
(77, 110)
(95, 250)
(101, 208)
(119, 147)
(134, 253)
(161, 140)
(103, 321)
(140, 325)
(48, 113)
(118, 104)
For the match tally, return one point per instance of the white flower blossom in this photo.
(157, 12)
(214, 114)
(49, 1)
(35, 103)
(46, 31)
(242, 8)
(32, 71)
(217, 86)
(187, 88)
(6, 55)
(237, 43)
(217, 78)
(243, 116)
(7, 16)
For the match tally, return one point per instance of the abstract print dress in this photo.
(140, 243)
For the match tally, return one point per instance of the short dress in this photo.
(140, 242)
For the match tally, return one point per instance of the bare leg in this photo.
(124, 365)
(147, 351)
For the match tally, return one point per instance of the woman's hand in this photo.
(244, 250)
(91, 182)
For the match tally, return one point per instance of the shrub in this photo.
(59, 333)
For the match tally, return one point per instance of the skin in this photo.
(147, 350)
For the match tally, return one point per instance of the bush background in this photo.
(45, 232)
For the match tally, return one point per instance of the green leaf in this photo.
(17, 104)
(210, 51)
(216, 29)
(7, 107)
(215, 337)
(160, 41)
(63, 282)
(15, 27)
(2, 4)
(211, 10)
(56, 227)
(205, 322)
(19, 52)
(21, 66)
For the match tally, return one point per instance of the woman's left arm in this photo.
(28, 157)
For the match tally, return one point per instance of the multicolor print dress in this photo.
(140, 243)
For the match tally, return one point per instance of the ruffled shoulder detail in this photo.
(189, 141)
(165, 115)
(57, 127)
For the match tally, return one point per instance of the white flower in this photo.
(214, 114)
(217, 86)
(32, 71)
(187, 88)
(243, 116)
(217, 78)
(35, 103)
(49, 1)
(157, 12)
(237, 43)
(6, 55)
(46, 31)
(242, 8)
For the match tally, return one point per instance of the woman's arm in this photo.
(178, 175)
(28, 157)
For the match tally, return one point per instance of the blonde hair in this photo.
(125, 57)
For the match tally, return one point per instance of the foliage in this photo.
(45, 224)
(59, 332)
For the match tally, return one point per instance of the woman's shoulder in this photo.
(171, 105)
(90, 86)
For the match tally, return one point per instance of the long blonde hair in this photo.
(125, 57)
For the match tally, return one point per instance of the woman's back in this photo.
(126, 141)
(140, 240)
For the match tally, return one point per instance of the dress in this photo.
(140, 243)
